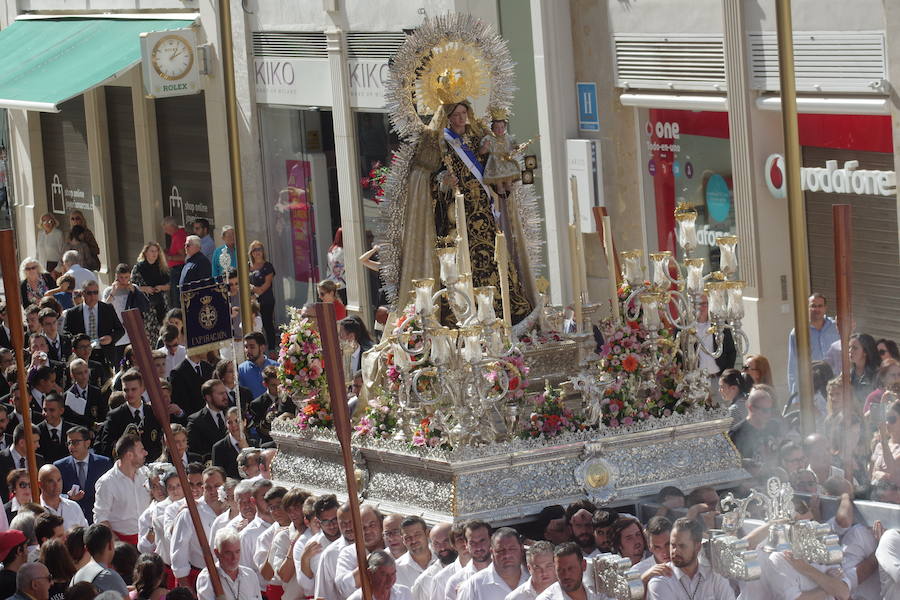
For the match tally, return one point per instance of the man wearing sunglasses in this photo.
(96, 319)
(757, 436)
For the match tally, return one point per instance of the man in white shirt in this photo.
(172, 484)
(263, 520)
(569, 567)
(393, 535)
(246, 510)
(539, 560)
(382, 573)
(50, 481)
(335, 577)
(478, 544)
(261, 556)
(888, 556)
(71, 260)
(442, 549)
(186, 551)
(458, 540)
(505, 574)
(657, 532)
(418, 556)
(238, 581)
(628, 539)
(859, 564)
(121, 495)
(286, 540)
(307, 557)
(688, 579)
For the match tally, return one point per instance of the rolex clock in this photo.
(169, 63)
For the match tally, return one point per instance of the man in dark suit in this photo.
(5, 438)
(225, 451)
(133, 413)
(5, 333)
(101, 377)
(187, 379)
(84, 402)
(86, 474)
(97, 319)
(207, 425)
(196, 266)
(13, 402)
(14, 458)
(53, 429)
(59, 344)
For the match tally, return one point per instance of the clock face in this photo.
(172, 57)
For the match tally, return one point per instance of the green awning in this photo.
(48, 61)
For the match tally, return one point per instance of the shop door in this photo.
(876, 269)
(123, 164)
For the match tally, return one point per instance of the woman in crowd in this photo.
(92, 256)
(353, 331)
(173, 317)
(56, 558)
(734, 387)
(336, 262)
(886, 454)
(50, 242)
(151, 275)
(821, 375)
(35, 282)
(887, 378)
(757, 367)
(328, 293)
(20, 487)
(864, 362)
(76, 241)
(148, 578)
(262, 274)
(887, 349)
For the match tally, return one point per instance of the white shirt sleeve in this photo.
(307, 584)
(103, 498)
(343, 572)
(182, 531)
(145, 522)
(204, 587)
(888, 554)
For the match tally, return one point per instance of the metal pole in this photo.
(17, 337)
(134, 325)
(331, 353)
(234, 161)
(796, 214)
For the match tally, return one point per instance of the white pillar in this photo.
(25, 171)
(555, 82)
(347, 161)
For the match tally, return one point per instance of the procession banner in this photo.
(207, 316)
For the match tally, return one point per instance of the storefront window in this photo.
(377, 144)
(301, 198)
(687, 158)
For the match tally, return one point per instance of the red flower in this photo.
(364, 181)
(630, 363)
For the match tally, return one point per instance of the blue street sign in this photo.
(588, 113)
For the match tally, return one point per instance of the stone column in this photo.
(101, 181)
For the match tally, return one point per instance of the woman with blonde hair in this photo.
(50, 242)
(262, 274)
(35, 281)
(757, 367)
(150, 274)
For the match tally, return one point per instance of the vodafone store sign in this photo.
(831, 180)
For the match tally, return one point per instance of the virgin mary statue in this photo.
(439, 72)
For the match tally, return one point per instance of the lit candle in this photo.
(501, 257)
(576, 276)
(660, 262)
(632, 267)
(694, 275)
(423, 288)
(447, 258)
(579, 240)
(484, 299)
(462, 233)
(687, 229)
(735, 291)
(715, 292)
(650, 311)
(611, 268)
(727, 255)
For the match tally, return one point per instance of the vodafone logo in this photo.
(830, 180)
(775, 178)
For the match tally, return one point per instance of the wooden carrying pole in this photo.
(337, 389)
(17, 337)
(134, 325)
(843, 271)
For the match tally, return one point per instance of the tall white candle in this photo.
(501, 257)
(687, 230)
(694, 275)
(462, 234)
(727, 255)
(423, 288)
(576, 277)
(609, 248)
(660, 261)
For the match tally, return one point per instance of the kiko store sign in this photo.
(849, 179)
(307, 82)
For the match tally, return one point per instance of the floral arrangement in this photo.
(535, 338)
(380, 418)
(301, 370)
(550, 416)
(426, 437)
(376, 180)
(516, 371)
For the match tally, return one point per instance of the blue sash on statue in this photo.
(468, 158)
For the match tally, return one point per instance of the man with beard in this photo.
(539, 559)
(458, 540)
(579, 516)
(326, 575)
(307, 557)
(442, 548)
(602, 523)
(628, 539)
(657, 533)
(418, 555)
(505, 574)
(688, 579)
(345, 571)
(478, 543)
(570, 568)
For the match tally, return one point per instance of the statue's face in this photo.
(459, 117)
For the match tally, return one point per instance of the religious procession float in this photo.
(465, 413)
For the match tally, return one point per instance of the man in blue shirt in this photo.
(218, 269)
(250, 372)
(823, 332)
(202, 230)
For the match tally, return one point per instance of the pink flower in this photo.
(627, 421)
